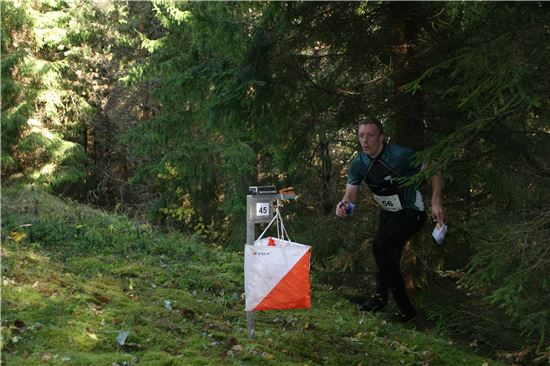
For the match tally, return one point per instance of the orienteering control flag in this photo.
(276, 274)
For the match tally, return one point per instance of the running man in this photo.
(402, 210)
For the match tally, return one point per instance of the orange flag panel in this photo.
(292, 292)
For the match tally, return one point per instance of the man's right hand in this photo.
(342, 208)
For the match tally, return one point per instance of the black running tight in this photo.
(394, 229)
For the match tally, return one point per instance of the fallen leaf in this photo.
(17, 236)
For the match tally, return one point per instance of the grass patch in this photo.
(81, 287)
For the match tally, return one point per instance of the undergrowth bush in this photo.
(511, 268)
(82, 230)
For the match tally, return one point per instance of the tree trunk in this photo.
(406, 24)
(406, 21)
(326, 167)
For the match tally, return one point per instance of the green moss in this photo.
(72, 358)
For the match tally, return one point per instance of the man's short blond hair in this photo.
(368, 120)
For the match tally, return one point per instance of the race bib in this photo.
(389, 203)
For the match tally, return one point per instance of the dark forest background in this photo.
(167, 111)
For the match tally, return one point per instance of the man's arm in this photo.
(438, 213)
(349, 196)
(437, 205)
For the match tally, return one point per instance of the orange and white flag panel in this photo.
(276, 275)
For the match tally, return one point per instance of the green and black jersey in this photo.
(381, 176)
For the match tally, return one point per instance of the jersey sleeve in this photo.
(356, 172)
(406, 161)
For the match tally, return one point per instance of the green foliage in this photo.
(15, 107)
(44, 113)
(513, 261)
(236, 107)
(491, 144)
(209, 156)
(493, 77)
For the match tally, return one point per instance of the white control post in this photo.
(259, 210)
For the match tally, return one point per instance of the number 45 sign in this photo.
(262, 209)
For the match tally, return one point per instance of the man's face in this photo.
(371, 139)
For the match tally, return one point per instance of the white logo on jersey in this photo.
(388, 178)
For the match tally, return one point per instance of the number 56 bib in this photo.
(389, 203)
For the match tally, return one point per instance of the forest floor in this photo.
(83, 287)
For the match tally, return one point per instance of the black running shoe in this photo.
(404, 318)
(374, 304)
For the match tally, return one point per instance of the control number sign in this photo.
(262, 209)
